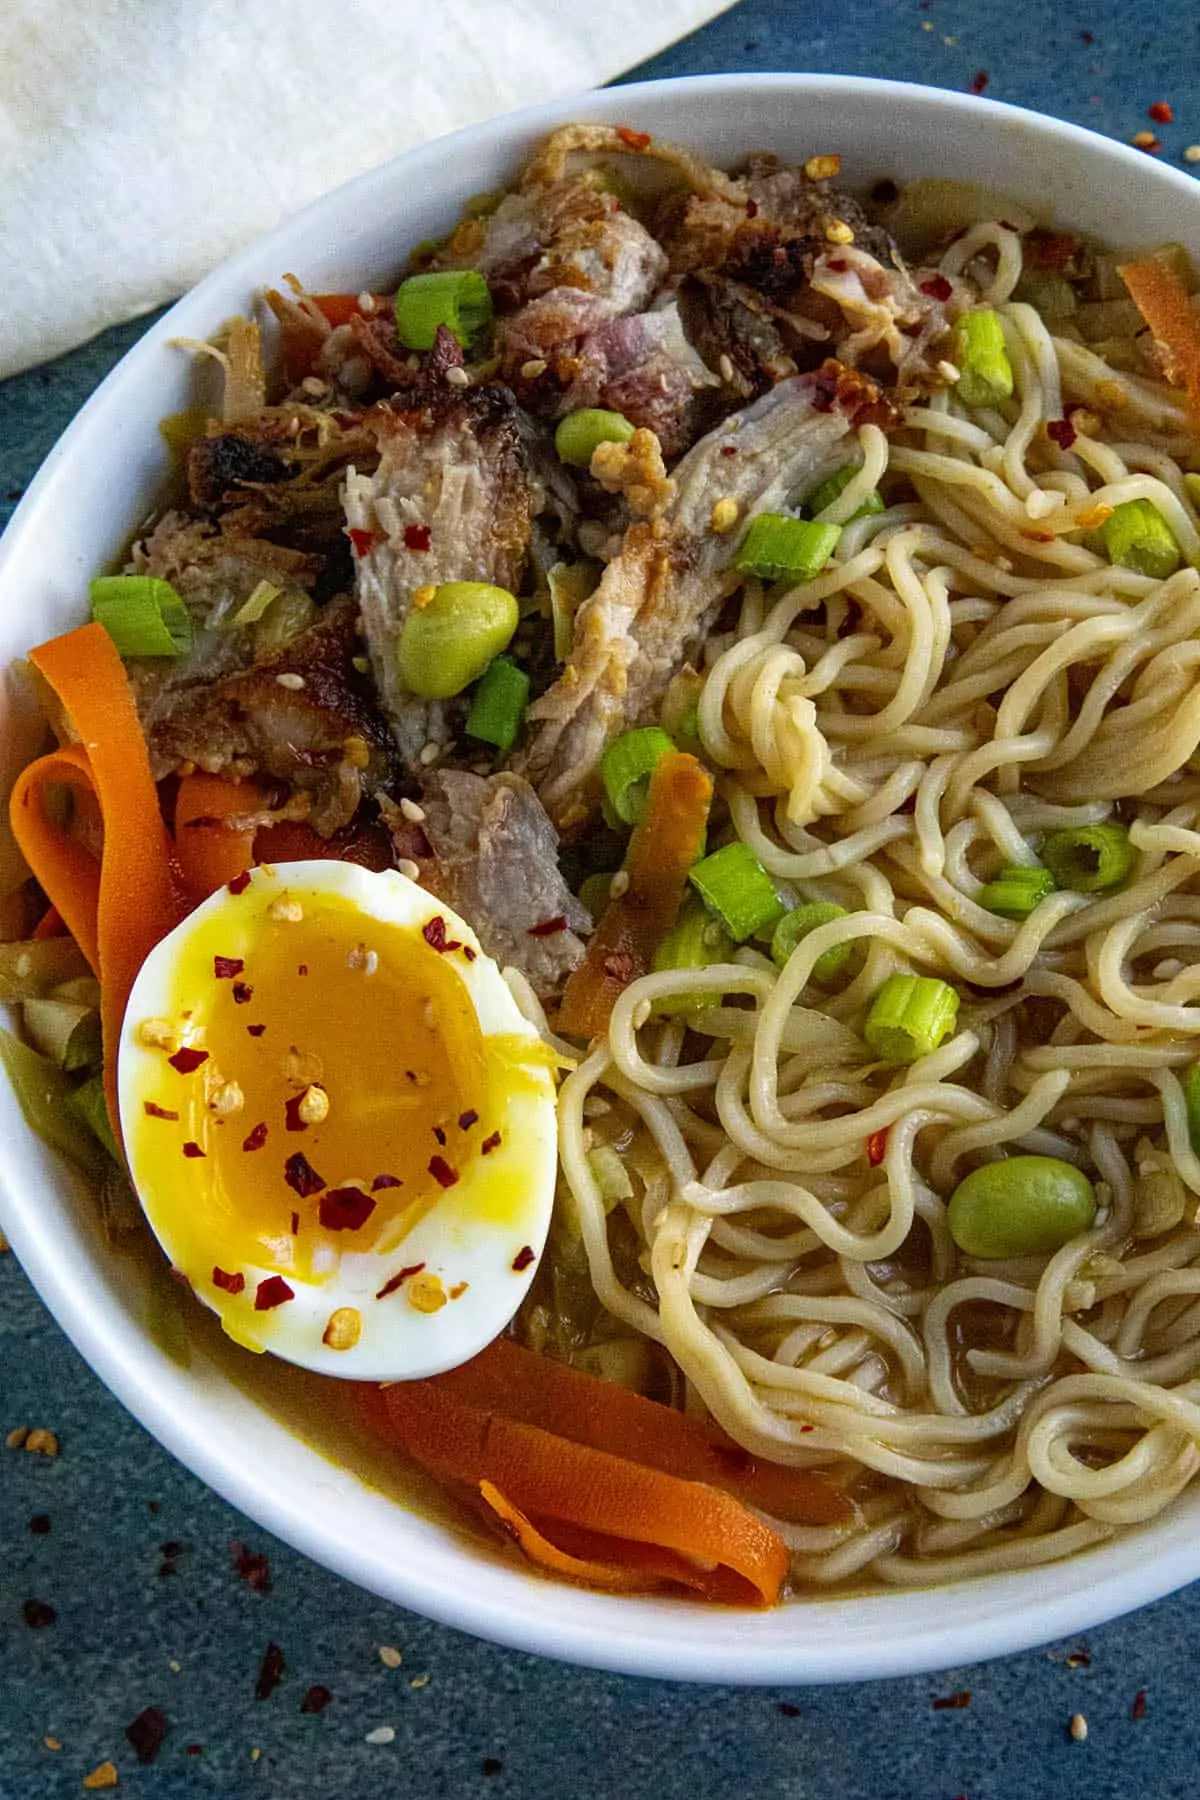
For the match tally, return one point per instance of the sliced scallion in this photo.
(63, 1030)
(45, 1095)
(1089, 859)
(909, 1017)
(90, 1105)
(1137, 536)
(780, 548)
(582, 432)
(733, 884)
(143, 615)
(797, 924)
(1016, 891)
(834, 486)
(626, 768)
(694, 941)
(1191, 1095)
(498, 704)
(457, 298)
(252, 609)
(611, 1175)
(985, 375)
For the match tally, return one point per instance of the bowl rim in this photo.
(626, 1636)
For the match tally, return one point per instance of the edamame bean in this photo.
(1021, 1206)
(447, 643)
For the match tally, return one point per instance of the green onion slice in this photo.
(695, 940)
(1191, 1095)
(90, 1105)
(580, 433)
(780, 548)
(835, 486)
(1089, 858)
(909, 1017)
(498, 704)
(797, 924)
(45, 1095)
(985, 374)
(626, 768)
(143, 615)
(733, 884)
(457, 298)
(611, 1175)
(1138, 537)
(1016, 891)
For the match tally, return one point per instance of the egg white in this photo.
(455, 1240)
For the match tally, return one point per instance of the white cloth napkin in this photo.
(143, 140)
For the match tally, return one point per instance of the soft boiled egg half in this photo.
(339, 1123)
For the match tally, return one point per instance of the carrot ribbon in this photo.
(633, 1493)
(119, 904)
(1168, 309)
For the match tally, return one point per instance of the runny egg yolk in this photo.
(341, 1053)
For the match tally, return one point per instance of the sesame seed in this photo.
(838, 232)
(104, 1775)
(725, 366)
(823, 168)
(457, 377)
(412, 812)
(423, 595)
(1192, 153)
(1078, 1728)
(227, 1099)
(158, 1034)
(366, 304)
(724, 515)
(312, 384)
(314, 1104)
(619, 884)
(948, 371)
(16, 1437)
(408, 868)
(293, 683)
(389, 1656)
(52, 1743)
(382, 1734)
(343, 1329)
(537, 365)
(429, 754)
(419, 1681)
(42, 1443)
(426, 1293)
(1144, 140)
(286, 911)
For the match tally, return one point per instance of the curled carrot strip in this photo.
(663, 848)
(119, 905)
(1167, 307)
(538, 1548)
(211, 847)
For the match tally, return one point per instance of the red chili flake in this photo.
(548, 927)
(242, 991)
(295, 1224)
(39, 1524)
(316, 1700)
(441, 1171)
(1146, 141)
(729, 449)
(252, 1566)
(147, 1733)
(523, 1258)
(1062, 432)
(467, 1119)
(226, 967)
(345, 1209)
(153, 1111)
(492, 1765)
(256, 1030)
(385, 1181)
(303, 969)
(838, 264)
(186, 1062)
(36, 1614)
(192, 1149)
(1079, 1659)
(434, 933)
(240, 883)
(633, 140)
(193, 1749)
(417, 537)
(489, 1144)
(952, 1702)
(789, 1709)
(1138, 1709)
(292, 1113)
(270, 1672)
(257, 1138)
(229, 1284)
(937, 287)
(440, 1135)
(301, 1177)
(272, 1292)
(398, 1280)
(469, 953)
(979, 81)
(363, 541)
(752, 209)
(877, 1147)
(1162, 112)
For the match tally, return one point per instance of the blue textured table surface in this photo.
(130, 1556)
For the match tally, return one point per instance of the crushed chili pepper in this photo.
(242, 992)
(193, 1749)
(153, 1111)
(345, 1209)
(491, 1765)
(937, 288)
(240, 883)
(548, 927)
(257, 1138)
(1079, 1659)
(187, 1061)
(37, 1614)
(434, 932)
(979, 81)
(1161, 112)
(469, 953)
(417, 537)
(147, 1733)
(295, 1224)
(316, 1699)
(789, 1709)
(192, 1149)
(877, 1147)
(269, 1673)
(226, 967)
(952, 1702)
(292, 1113)
(523, 1258)
(252, 1566)
(440, 1135)
(633, 140)
(1138, 1709)
(39, 1524)
(272, 1292)
(729, 449)
(489, 1144)
(256, 1030)
(467, 1119)
(301, 1177)
(441, 1171)
(398, 1279)
(385, 1181)
(229, 1284)
(1061, 432)
(363, 541)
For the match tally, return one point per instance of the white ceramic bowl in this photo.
(223, 1414)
